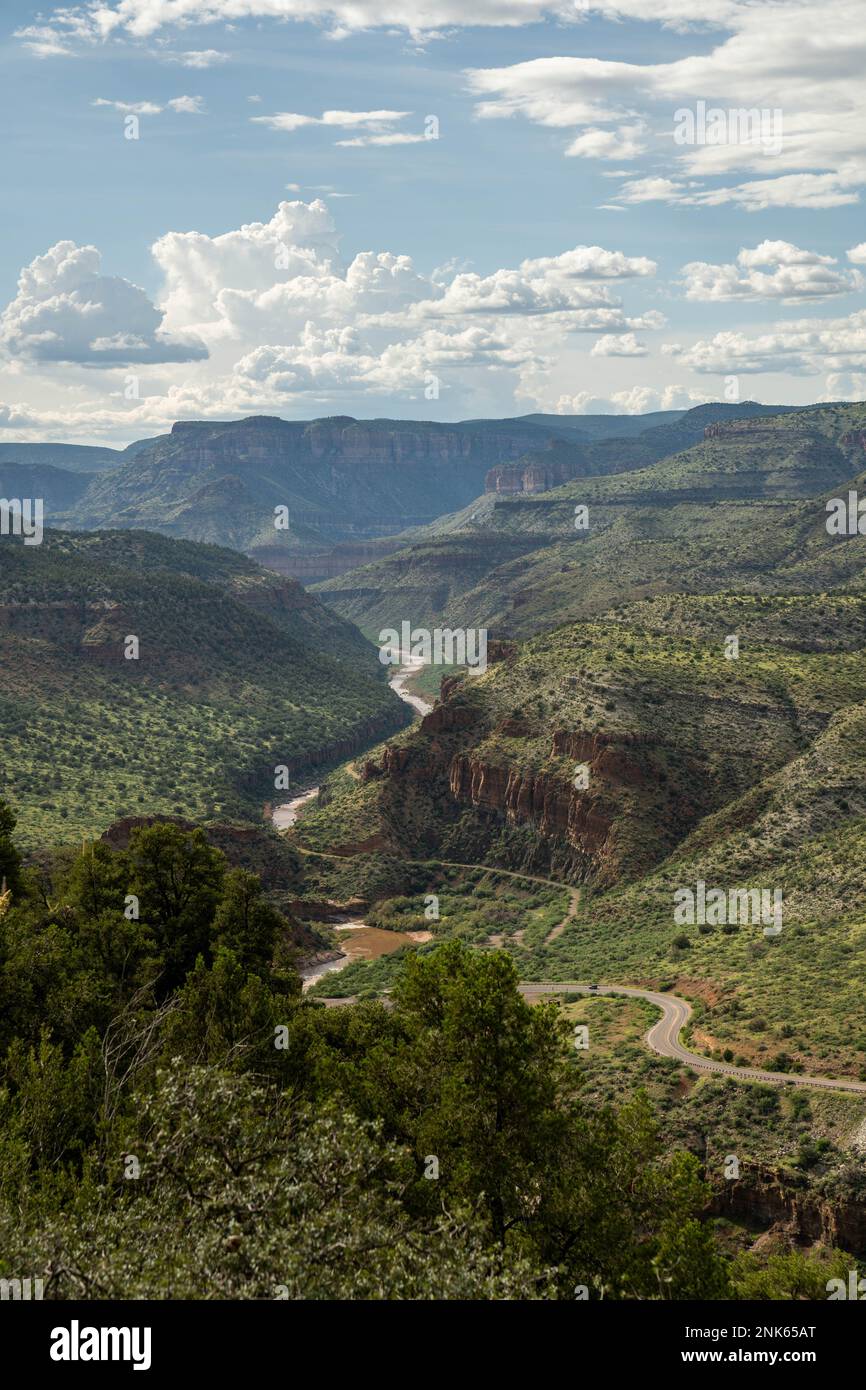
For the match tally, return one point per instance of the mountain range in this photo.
(316, 498)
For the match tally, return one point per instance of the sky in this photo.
(221, 208)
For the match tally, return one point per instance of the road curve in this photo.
(664, 1037)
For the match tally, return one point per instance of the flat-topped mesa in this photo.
(346, 439)
(249, 422)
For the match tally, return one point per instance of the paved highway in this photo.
(664, 1037)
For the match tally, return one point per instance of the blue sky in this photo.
(711, 270)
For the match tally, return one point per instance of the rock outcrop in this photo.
(792, 1209)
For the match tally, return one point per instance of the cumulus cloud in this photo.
(66, 311)
(652, 190)
(330, 362)
(619, 345)
(270, 314)
(189, 106)
(595, 143)
(773, 270)
(844, 386)
(15, 417)
(259, 315)
(801, 348)
(637, 400)
(268, 278)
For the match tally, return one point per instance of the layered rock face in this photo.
(585, 833)
(341, 479)
(579, 826)
(760, 1197)
(508, 480)
(545, 801)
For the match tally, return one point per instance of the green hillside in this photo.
(742, 510)
(738, 772)
(238, 671)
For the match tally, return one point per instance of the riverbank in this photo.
(369, 942)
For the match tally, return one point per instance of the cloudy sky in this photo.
(216, 208)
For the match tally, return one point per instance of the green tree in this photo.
(490, 1092)
(224, 1016)
(248, 926)
(177, 877)
(792, 1275)
(10, 859)
(242, 1196)
(55, 1099)
(98, 880)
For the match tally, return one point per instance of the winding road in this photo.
(664, 1037)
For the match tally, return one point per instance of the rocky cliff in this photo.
(341, 479)
(788, 1207)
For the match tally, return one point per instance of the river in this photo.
(369, 942)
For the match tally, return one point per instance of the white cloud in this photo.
(195, 58)
(135, 108)
(45, 41)
(595, 143)
(334, 361)
(844, 386)
(66, 311)
(801, 58)
(800, 62)
(14, 417)
(266, 278)
(651, 190)
(190, 106)
(619, 345)
(773, 270)
(801, 348)
(395, 137)
(590, 263)
(269, 316)
(857, 254)
(637, 400)
(787, 191)
(290, 121)
(100, 20)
